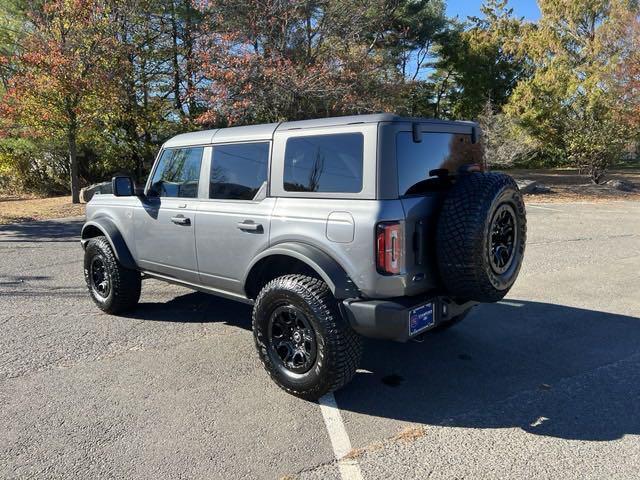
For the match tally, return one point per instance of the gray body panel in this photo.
(214, 253)
(225, 248)
(105, 226)
(306, 220)
(163, 246)
(114, 218)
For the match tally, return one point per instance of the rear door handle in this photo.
(250, 227)
(181, 220)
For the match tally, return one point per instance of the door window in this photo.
(324, 163)
(177, 173)
(238, 170)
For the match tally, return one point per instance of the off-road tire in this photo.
(125, 284)
(463, 243)
(338, 346)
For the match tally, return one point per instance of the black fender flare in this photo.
(341, 286)
(110, 230)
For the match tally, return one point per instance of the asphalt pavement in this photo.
(542, 385)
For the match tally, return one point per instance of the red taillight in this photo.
(389, 248)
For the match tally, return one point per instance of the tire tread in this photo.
(125, 283)
(342, 343)
(460, 232)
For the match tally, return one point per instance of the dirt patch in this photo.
(24, 209)
(569, 186)
(354, 453)
(410, 434)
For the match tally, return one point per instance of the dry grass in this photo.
(21, 209)
(569, 186)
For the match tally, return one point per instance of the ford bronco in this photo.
(333, 229)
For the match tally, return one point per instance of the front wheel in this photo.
(112, 287)
(305, 345)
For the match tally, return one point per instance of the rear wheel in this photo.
(305, 345)
(112, 287)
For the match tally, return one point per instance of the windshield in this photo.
(448, 151)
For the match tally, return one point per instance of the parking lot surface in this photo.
(542, 385)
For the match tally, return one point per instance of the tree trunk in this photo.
(175, 60)
(189, 54)
(73, 162)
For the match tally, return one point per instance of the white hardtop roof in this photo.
(266, 131)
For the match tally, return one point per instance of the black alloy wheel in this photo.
(304, 343)
(503, 237)
(292, 340)
(99, 277)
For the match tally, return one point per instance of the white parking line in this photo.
(545, 208)
(349, 468)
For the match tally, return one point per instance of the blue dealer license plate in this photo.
(421, 318)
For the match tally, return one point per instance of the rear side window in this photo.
(177, 173)
(238, 171)
(324, 163)
(447, 151)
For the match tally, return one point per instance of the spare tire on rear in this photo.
(481, 237)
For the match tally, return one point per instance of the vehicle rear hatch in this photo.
(427, 162)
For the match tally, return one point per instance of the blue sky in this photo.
(464, 8)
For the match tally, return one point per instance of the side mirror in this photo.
(122, 186)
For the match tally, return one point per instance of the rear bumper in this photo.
(389, 319)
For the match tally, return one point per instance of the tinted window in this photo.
(238, 171)
(436, 151)
(324, 163)
(177, 173)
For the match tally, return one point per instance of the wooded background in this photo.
(93, 87)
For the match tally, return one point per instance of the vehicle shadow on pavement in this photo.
(42, 231)
(549, 369)
(194, 307)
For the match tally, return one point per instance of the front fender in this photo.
(326, 267)
(109, 229)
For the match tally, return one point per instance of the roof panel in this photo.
(265, 131)
(203, 137)
(334, 121)
(369, 118)
(246, 134)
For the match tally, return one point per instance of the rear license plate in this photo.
(421, 318)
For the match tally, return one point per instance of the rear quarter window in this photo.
(449, 151)
(324, 163)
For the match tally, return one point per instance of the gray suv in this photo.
(333, 229)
